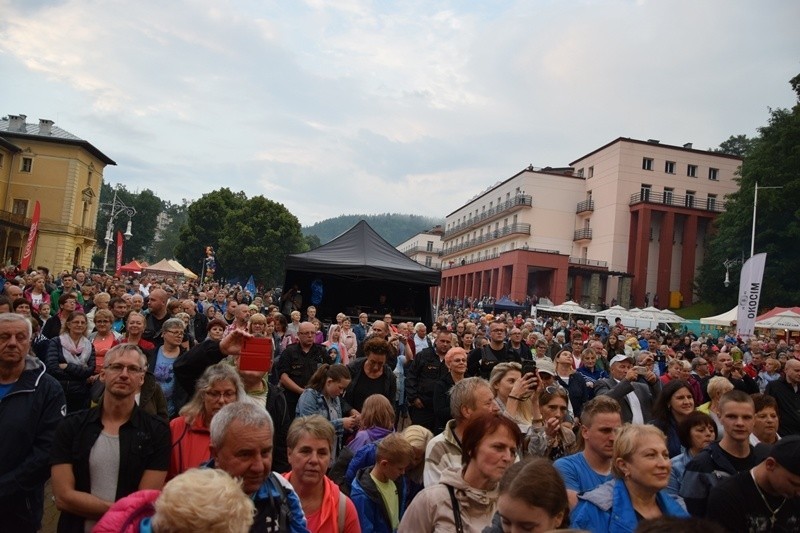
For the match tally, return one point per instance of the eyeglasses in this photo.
(102, 321)
(216, 395)
(174, 331)
(117, 368)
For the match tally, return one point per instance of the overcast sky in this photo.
(368, 107)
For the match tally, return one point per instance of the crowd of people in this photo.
(129, 395)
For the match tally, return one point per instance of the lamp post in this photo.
(728, 263)
(116, 207)
(755, 205)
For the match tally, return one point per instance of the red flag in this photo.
(119, 253)
(26, 257)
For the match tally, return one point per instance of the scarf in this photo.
(77, 355)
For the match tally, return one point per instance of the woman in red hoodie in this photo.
(217, 387)
(310, 443)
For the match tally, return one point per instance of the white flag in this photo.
(749, 293)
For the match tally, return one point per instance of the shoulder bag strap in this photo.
(342, 511)
(456, 508)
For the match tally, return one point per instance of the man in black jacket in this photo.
(483, 359)
(786, 392)
(31, 406)
(298, 362)
(421, 377)
(103, 454)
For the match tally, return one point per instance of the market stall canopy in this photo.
(505, 304)
(567, 308)
(133, 267)
(776, 310)
(186, 272)
(663, 315)
(787, 320)
(726, 319)
(164, 268)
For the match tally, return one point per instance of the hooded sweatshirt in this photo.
(432, 509)
(365, 436)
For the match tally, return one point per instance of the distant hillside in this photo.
(393, 227)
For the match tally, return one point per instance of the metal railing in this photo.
(422, 250)
(521, 200)
(20, 221)
(582, 234)
(488, 237)
(668, 198)
(585, 206)
(588, 262)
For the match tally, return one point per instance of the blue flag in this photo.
(251, 286)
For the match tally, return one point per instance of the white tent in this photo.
(788, 320)
(567, 308)
(726, 319)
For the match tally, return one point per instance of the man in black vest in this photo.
(298, 362)
(421, 377)
(482, 360)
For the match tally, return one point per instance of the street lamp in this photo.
(728, 263)
(116, 207)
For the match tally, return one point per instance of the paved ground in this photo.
(50, 519)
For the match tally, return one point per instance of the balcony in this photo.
(588, 262)
(524, 229)
(15, 221)
(87, 232)
(422, 250)
(583, 234)
(674, 200)
(512, 204)
(586, 206)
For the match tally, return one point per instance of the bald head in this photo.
(379, 328)
(305, 332)
(157, 303)
(792, 369)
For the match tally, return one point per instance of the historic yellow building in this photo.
(64, 173)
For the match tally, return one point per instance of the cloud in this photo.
(366, 107)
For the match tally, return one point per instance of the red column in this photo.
(640, 253)
(688, 255)
(577, 288)
(665, 238)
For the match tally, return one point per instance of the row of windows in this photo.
(669, 198)
(670, 168)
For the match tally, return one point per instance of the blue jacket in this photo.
(268, 502)
(372, 513)
(608, 509)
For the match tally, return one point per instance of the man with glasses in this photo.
(482, 360)
(105, 453)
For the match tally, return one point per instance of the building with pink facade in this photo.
(626, 222)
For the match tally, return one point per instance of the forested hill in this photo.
(393, 227)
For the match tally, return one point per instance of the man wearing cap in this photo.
(766, 498)
(634, 392)
(786, 392)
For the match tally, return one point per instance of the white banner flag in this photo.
(749, 293)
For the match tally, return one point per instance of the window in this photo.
(429, 245)
(580, 173)
(668, 195)
(689, 202)
(591, 172)
(20, 207)
(711, 202)
(427, 260)
(669, 167)
(645, 192)
(27, 164)
(647, 163)
(691, 171)
(713, 174)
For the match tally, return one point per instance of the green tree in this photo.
(740, 145)
(143, 224)
(205, 226)
(257, 237)
(774, 161)
(312, 241)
